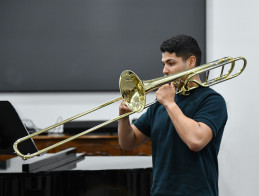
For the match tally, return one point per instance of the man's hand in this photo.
(166, 94)
(123, 108)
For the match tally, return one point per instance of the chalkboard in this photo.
(84, 45)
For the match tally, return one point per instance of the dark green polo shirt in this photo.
(176, 169)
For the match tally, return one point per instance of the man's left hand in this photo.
(166, 94)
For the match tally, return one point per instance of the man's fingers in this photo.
(124, 108)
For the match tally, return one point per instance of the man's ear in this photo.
(191, 62)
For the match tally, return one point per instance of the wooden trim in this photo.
(91, 145)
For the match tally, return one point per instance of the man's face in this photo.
(173, 64)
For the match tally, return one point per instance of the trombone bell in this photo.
(132, 91)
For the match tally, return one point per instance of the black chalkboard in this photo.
(84, 45)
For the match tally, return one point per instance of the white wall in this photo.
(45, 109)
(232, 30)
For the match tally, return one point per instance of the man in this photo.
(185, 131)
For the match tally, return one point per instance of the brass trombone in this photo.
(134, 91)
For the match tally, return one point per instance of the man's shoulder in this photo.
(207, 95)
(207, 91)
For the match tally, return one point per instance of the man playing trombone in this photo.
(185, 131)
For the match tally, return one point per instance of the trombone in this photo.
(134, 91)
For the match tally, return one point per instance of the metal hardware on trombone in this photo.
(134, 91)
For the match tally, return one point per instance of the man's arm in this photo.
(130, 136)
(196, 135)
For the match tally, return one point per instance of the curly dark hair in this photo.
(183, 46)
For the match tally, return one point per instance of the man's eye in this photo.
(171, 64)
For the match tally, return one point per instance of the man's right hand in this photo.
(123, 108)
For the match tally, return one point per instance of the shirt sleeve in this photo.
(213, 112)
(143, 123)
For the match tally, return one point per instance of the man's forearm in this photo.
(126, 134)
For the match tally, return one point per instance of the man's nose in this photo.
(165, 70)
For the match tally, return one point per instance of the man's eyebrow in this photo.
(169, 60)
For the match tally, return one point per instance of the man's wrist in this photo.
(170, 105)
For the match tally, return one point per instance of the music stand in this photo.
(11, 129)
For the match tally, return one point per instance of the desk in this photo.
(92, 145)
(94, 176)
